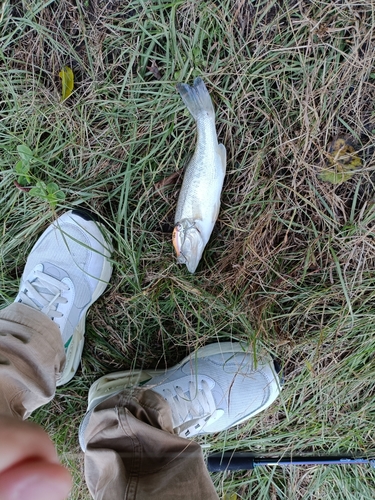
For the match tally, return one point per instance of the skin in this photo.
(29, 466)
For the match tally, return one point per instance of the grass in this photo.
(291, 263)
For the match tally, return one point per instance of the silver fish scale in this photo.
(199, 191)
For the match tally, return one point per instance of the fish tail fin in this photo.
(196, 98)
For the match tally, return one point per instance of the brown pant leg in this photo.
(131, 449)
(132, 452)
(31, 358)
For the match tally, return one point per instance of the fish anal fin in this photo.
(216, 212)
(223, 157)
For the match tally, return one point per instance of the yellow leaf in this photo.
(230, 496)
(342, 161)
(309, 366)
(67, 77)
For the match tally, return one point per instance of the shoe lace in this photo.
(191, 409)
(44, 293)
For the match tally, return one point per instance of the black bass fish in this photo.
(199, 201)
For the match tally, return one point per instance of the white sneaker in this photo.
(216, 387)
(66, 272)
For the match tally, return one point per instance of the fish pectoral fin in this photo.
(197, 214)
(223, 157)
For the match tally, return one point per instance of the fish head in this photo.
(188, 243)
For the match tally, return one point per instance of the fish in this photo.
(199, 199)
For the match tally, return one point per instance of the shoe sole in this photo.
(74, 351)
(113, 383)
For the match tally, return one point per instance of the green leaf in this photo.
(50, 193)
(25, 153)
(53, 188)
(333, 177)
(67, 78)
(230, 496)
(54, 194)
(21, 168)
(40, 190)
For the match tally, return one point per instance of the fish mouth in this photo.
(188, 244)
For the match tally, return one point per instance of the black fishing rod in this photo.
(246, 461)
